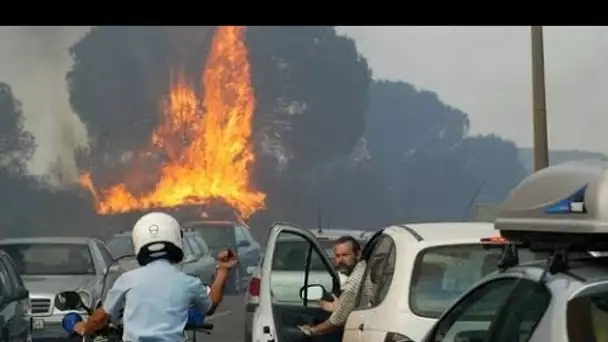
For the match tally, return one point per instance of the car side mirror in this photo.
(243, 243)
(313, 292)
(68, 300)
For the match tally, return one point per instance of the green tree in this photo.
(16, 144)
(428, 167)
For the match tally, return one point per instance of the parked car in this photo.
(414, 271)
(197, 255)
(289, 256)
(220, 235)
(49, 265)
(559, 212)
(15, 310)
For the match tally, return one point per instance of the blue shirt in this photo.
(156, 300)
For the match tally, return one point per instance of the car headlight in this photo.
(85, 297)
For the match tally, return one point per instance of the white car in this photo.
(560, 212)
(288, 269)
(416, 271)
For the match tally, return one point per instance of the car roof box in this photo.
(565, 205)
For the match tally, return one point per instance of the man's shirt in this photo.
(346, 301)
(156, 300)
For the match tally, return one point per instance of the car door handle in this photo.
(361, 326)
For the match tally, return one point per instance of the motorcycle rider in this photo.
(157, 296)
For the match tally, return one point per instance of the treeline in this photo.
(327, 135)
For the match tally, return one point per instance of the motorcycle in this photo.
(71, 300)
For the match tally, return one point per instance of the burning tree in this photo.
(206, 143)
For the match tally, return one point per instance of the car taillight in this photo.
(254, 287)
(396, 337)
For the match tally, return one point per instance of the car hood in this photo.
(53, 284)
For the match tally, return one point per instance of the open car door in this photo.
(293, 261)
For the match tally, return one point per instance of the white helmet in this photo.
(157, 235)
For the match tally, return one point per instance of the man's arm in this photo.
(110, 308)
(344, 306)
(216, 294)
(226, 260)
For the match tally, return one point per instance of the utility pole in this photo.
(539, 102)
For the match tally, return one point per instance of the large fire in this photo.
(207, 146)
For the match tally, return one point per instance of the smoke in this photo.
(34, 62)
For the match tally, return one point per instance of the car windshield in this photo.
(442, 274)
(51, 258)
(120, 245)
(587, 315)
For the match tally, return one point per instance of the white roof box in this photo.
(566, 203)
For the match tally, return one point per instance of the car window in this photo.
(587, 316)
(15, 277)
(105, 254)
(120, 245)
(188, 250)
(189, 239)
(522, 312)
(441, 274)
(201, 244)
(239, 235)
(378, 274)
(248, 235)
(51, 258)
(290, 255)
(470, 319)
(290, 273)
(9, 288)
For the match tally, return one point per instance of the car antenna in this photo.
(472, 200)
(319, 219)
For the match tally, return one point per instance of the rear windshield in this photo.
(51, 259)
(217, 237)
(442, 274)
(587, 316)
(120, 245)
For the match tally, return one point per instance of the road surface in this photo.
(228, 321)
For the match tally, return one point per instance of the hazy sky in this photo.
(484, 71)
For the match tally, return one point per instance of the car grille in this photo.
(40, 305)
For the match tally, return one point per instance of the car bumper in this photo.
(49, 327)
(249, 312)
(51, 330)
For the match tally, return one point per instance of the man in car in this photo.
(345, 304)
(347, 252)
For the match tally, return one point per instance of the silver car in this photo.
(560, 213)
(197, 256)
(49, 265)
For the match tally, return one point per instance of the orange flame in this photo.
(208, 148)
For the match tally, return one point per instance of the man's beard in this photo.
(346, 269)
